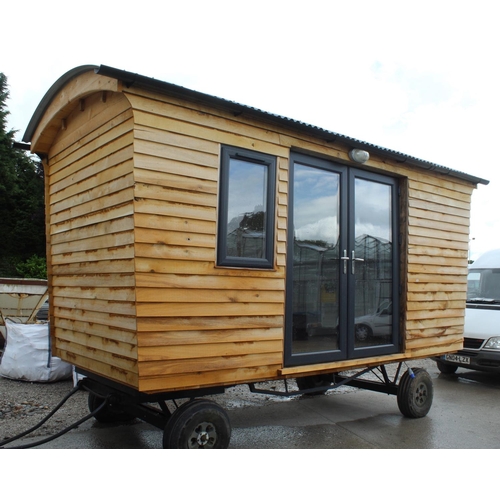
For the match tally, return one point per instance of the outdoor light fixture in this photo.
(359, 155)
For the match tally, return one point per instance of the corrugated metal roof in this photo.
(129, 79)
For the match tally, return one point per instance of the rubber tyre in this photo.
(446, 368)
(415, 393)
(108, 414)
(362, 333)
(199, 423)
(313, 381)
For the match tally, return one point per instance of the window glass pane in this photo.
(315, 260)
(247, 211)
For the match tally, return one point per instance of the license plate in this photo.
(456, 358)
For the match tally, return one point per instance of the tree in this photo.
(22, 229)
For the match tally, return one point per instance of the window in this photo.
(246, 209)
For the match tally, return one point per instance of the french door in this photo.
(343, 261)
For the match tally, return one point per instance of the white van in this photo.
(482, 319)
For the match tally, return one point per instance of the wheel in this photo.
(199, 423)
(362, 332)
(446, 368)
(415, 393)
(108, 413)
(313, 381)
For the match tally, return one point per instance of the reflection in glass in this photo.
(373, 270)
(315, 260)
(246, 217)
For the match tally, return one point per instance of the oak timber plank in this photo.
(426, 296)
(428, 232)
(436, 269)
(83, 128)
(156, 368)
(162, 193)
(440, 252)
(198, 351)
(430, 323)
(107, 215)
(146, 221)
(97, 342)
(436, 260)
(207, 379)
(439, 216)
(206, 309)
(431, 305)
(113, 174)
(176, 252)
(154, 237)
(444, 227)
(120, 322)
(93, 255)
(108, 358)
(147, 206)
(432, 241)
(248, 282)
(97, 280)
(172, 338)
(194, 296)
(122, 225)
(175, 181)
(96, 190)
(188, 157)
(436, 278)
(112, 306)
(198, 114)
(444, 189)
(438, 208)
(108, 334)
(169, 166)
(436, 198)
(99, 267)
(425, 286)
(222, 133)
(168, 137)
(179, 324)
(96, 153)
(111, 242)
(434, 314)
(97, 205)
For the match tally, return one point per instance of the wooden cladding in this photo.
(132, 207)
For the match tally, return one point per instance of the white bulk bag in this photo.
(27, 354)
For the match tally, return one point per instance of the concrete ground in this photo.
(464, 414)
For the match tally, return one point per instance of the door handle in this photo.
(345, 258)
(354, 260)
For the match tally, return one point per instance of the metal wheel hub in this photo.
(204, 435)
(421, 394)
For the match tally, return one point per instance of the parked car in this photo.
(481, 349)
(377, 324)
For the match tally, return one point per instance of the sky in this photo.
(421, 78)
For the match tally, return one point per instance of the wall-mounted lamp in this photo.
(359, 155)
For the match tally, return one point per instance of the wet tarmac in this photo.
(464, 415)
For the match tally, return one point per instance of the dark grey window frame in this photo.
(267, 262)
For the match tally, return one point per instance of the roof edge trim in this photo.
(49, 97)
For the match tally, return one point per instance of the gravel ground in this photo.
(25, 404)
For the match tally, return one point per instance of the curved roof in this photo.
(130, 79)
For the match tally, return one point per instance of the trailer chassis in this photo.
(202, 423)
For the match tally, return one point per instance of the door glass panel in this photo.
(372, 263)
(315, 260)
